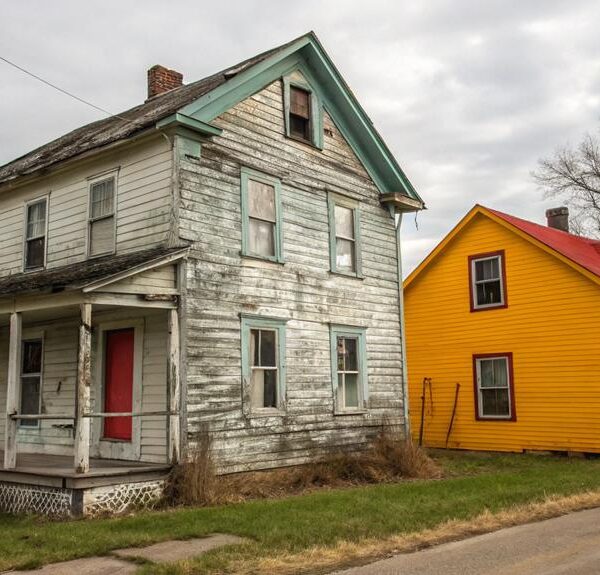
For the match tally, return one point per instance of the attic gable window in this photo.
(303, 115)
(101, 232)
(35, 234)
(488, 281)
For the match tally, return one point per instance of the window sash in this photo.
(36, 226)
(102, 199)
(29, 376)
(487, 281)
(342, 239)
(481, 389)
(349, 377)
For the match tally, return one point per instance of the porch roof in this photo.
(78, 275)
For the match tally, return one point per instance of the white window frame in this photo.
(475, 282)
(28, 203)
(112, 174)
(509, 387)
(37, 337)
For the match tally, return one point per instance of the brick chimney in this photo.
(161, 79)
(558, 218)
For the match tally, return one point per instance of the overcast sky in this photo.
(467, 94)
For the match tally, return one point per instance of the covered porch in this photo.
(90, 375)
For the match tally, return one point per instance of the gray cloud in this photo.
(468, 94)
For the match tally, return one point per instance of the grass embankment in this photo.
(330, 526)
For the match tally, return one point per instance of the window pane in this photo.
(261, 237)
(486, 371)
(263, 388)
(344, 258)
(34, 256)
(299, 127)
(489, 293)
(340, 354)
(30, 398)
(487, 269)
(102, 236)
(268, 348)
(299, 102)
(36, 219)
(500, 373)
(495, 402)
(32, 357)
(102, 198)
(344, 222)
(350, 355)
(261, 201)
(351, 396)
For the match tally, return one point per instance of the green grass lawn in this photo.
(474, 483)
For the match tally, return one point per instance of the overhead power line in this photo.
(74, 96)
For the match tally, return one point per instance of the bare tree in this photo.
(573, 176)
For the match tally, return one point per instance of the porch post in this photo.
(12, 391)
(84, 377)
(173, 386)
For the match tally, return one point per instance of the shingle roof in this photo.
(80, 273)
(115, 128)
(583, 251)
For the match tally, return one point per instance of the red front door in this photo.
(118, 383)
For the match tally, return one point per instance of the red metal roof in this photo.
(583, 251)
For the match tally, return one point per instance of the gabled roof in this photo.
(81, 274)
(196, 105)
(582, 254)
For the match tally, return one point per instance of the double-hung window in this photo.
(494, 386)
(35, 234)
(101, 232)
(303, 112)
(488, 289)
(261, 216)
(31, 380)
(263, 365)
(344, 236)
(348, 368)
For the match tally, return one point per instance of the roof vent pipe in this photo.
(558, 218)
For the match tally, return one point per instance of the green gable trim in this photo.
(181, 120)
(316, 110)
(307, 55)
(249, 174)
(248, 323)
(360, 333)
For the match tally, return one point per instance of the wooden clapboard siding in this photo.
(221, 285)
(60, 372)
(144, 203)
(551, 326)
(161, 280)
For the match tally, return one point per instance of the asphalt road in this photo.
(568, 545)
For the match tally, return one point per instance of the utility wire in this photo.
(65, 91)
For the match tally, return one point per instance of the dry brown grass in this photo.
(193, 482)
(322, 559)
(389, 458)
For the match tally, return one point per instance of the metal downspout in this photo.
(398, 218)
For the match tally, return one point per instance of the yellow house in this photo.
(503, 337)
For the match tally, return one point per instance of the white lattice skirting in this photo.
(57, 502)
(18, 498)
(115, 499)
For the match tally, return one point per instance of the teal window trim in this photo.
(332, 201)
(248, 323)
(250, 174)
(316, 111)
(360, 333)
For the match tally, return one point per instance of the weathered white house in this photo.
(224, 256)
